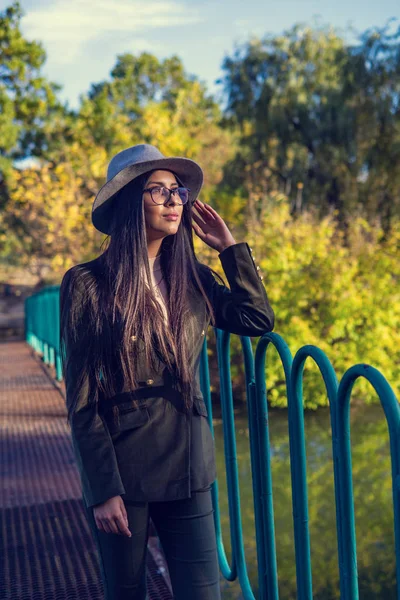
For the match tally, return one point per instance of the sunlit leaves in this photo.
(48, 215)
(26, 97)
(343, 298)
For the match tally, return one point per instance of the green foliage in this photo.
(157, 103)
(26, 98)
(47, 216)
(319, 121)
(343, 298)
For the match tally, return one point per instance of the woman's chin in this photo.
(171, 227)
(165, 228)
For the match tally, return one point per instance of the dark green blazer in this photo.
(159, 451)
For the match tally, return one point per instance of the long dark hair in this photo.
(117, 304)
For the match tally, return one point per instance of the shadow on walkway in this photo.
(46, 547)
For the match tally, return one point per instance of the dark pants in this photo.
(187, 535)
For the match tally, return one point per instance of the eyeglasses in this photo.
(161, 195)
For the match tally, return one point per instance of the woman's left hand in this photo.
(212, 229)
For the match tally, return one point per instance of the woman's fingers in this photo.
(106, 526)
(121, 526)
(117, 525)
(198, 220)
(200, 223)
(123, 510)
(112, 523)
(198, 230)
(207, 227)
(206, 211)
(99, 525)
(199, 206)
(111, 516)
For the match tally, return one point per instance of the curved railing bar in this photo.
(331, 384)
(228, 422)
(269, 581)
(391, 409)
(255, 460)
(230, 573)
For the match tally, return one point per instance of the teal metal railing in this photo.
(42, 333)
(42, 317)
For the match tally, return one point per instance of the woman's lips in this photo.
(171, 217)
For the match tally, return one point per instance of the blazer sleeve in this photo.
(244, 309)
(92, 443)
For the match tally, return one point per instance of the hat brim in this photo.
(188, 171)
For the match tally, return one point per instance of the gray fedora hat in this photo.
(132, 162)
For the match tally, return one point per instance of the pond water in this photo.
(372, 498)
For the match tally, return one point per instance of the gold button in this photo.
(258, 268)
(202, 333)
(134, 338)
(150, 381)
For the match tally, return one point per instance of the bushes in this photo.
(342, 296)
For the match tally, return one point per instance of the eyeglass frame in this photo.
(171, 191)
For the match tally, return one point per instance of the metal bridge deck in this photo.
(46, 549)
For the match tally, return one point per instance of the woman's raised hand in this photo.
(211, 228)
(111, 517)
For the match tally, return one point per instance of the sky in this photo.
(82, 38)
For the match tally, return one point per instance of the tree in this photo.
(26, 98)
(153, 102)
(377, 62)
(46, 221)
(318, 120)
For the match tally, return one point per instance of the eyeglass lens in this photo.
(161, 194)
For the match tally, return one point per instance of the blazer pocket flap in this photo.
(129, 419)
(200, 406)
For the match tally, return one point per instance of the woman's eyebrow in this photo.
(162, 183)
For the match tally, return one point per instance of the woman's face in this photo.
(157, 223)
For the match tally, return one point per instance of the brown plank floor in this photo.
(46, 549)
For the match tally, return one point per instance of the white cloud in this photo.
(65, 28)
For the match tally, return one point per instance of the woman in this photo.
(133, 322)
